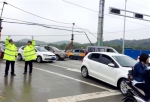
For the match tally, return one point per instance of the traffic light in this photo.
(138, 16)
(113, 10)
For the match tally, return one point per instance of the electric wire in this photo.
(42, 26)
(104, 14)
(86, 35)
(37, 23)
(138, 5)
(36, 15)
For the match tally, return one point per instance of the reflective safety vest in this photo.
(10, 52)
(29, 52)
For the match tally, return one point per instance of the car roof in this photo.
(100, 46)
(109, 53)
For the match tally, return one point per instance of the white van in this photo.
(99, 49)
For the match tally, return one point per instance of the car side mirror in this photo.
(111, 65)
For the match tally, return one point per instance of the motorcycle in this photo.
(134, 93)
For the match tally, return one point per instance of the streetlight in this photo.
(124, 28)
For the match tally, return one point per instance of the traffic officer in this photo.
(29, 55)
(10, 55)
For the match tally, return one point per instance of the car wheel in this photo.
(123, 86)
(130, 99)
(57, 57)
(39, 59)
(19, 57)
(71, 57)
(84, 72)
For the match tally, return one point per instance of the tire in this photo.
(123, 87)
(39, 59)
(57, 57)
(70, 57)
(19, 57)
(84, 72)
(130, 99)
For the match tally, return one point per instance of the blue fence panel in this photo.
(145, 51)
(132, 53)
(135, 53)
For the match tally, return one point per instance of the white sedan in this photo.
(42, 54)
(111, 68)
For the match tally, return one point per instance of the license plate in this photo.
(53, 58)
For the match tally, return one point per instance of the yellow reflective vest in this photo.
(29, 52)
(10, 52)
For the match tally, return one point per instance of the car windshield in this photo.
(41, 49)
(125, 61)
(55, 49)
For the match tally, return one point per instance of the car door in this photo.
(94, 63)
(107, 73)
(21, 51)
(76, 53)
(81, 53)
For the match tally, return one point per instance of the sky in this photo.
(61, 11)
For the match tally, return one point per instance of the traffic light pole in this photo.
(124, 30)
(1, 19)
(100, 23)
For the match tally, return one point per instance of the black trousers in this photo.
(145, 88)
(7, 67)
(30, 66)
(2, 55)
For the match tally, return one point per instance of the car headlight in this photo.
(45, 55)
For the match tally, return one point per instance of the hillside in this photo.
(143, 43)
(63, 42)
(26, 40)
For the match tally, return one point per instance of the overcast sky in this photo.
(61, 11)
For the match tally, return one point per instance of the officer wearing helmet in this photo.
(29, 55)
(10, 55)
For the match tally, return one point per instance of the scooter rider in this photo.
(139, 72)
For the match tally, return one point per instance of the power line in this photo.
(138, 5)
(145, 2)
(104, 14)
(37, 15)
(79, 6)
(128, 30)
(86, 35)
(87, 30)
(42, 26)
(45, 35)
(37, 23)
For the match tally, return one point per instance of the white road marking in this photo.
(67, 68)
(58, 66)
(84, 97)
(101, 87)
(74, 70)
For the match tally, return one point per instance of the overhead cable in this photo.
(98, 12)
(42, 26)
(36, 15)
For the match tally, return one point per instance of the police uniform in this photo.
(29, 55)
(10, 55)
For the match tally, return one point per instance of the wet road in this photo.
(60, 81)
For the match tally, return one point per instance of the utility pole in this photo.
(100, 23)
(72, 38)
(124, 28)
(1, 19)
